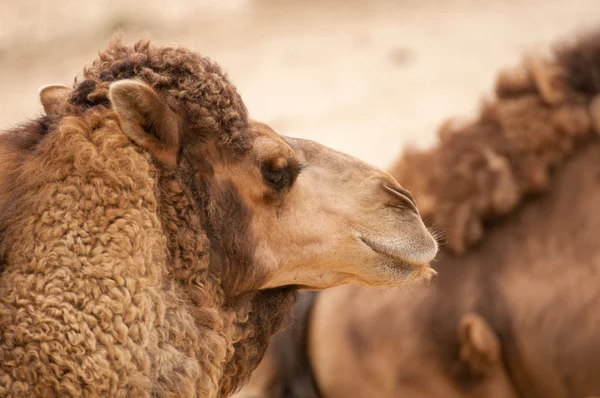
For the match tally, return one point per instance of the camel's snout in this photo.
(398, 232)
(425, 247)
(417, 244)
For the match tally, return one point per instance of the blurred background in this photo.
(363, 76)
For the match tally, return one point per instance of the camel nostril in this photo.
(404, 196)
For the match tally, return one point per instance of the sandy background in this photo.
(365, 77)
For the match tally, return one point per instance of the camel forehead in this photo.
(308, 150)
(336, 162)
(263, 130)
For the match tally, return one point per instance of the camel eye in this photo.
(274, 177)
(281, 178)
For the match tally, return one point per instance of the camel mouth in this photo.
(399, 259)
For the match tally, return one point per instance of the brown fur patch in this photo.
(482, 171)
(532, 136)
(15, 145)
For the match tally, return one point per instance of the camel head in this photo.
(327, 218)
(281, 211)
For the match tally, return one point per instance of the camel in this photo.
(152, 235)
(513, 312)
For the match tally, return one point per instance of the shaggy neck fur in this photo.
(483, 170)
(116, 256)
(111, 285)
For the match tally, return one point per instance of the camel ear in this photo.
(479, 345)
(53, 97)
(146, 119)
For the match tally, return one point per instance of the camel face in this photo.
(321, 218)
(284, 211)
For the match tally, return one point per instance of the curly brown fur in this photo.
(14, 146)
(185, 78)
(485, 169)
(286, 371)
(75, 191)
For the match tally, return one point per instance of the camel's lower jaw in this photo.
(388, 276)
(408, 272)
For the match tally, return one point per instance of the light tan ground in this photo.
(365, 77)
